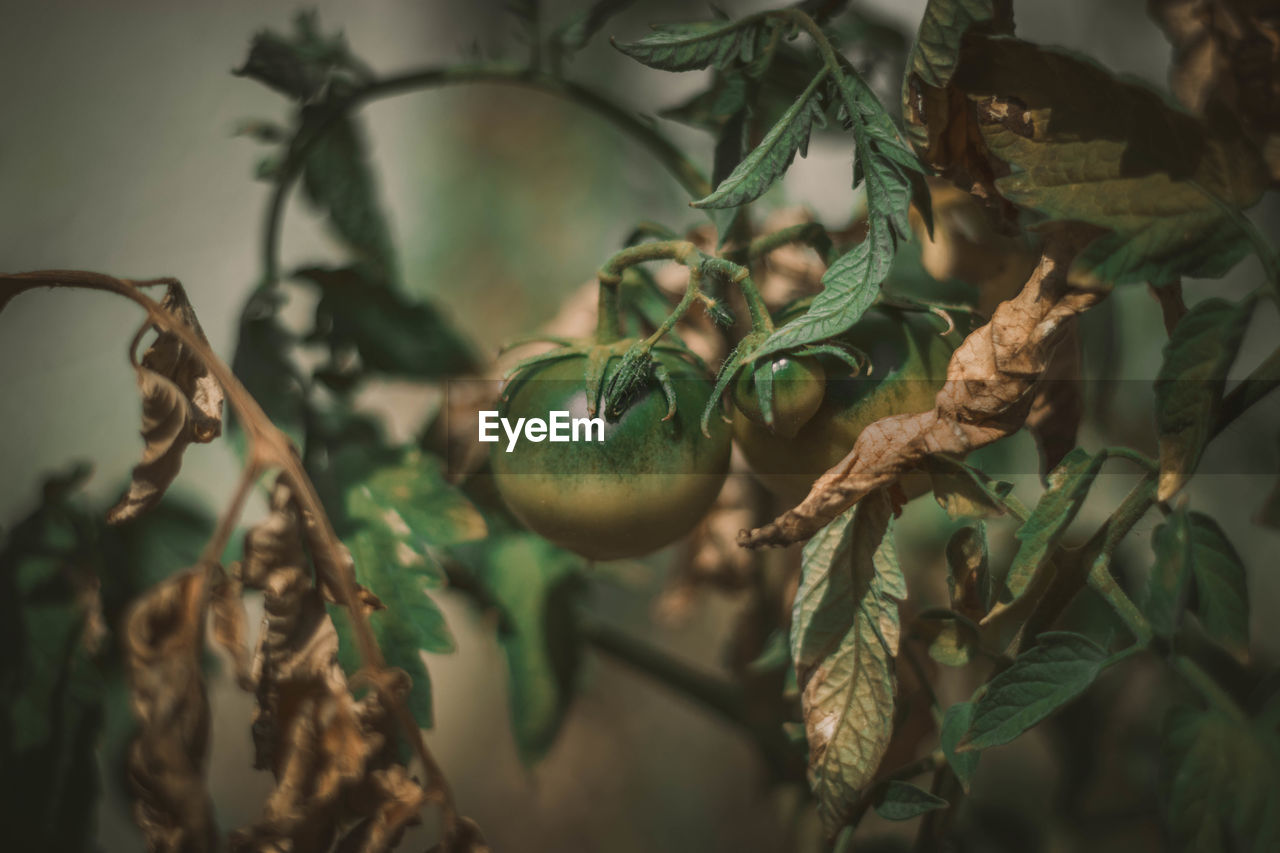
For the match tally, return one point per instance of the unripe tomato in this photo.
(908, 367)
(798, 384)
(645, 485)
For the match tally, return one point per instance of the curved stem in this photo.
(810, 234)
(1260, 382)
(268, 448)
(667, 154)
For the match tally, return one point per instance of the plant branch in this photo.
(1104, 544)
(683, 169)
(268, 448)
(1260, 382)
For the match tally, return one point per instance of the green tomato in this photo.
(646, 484)
(909, 358)
(798, 384)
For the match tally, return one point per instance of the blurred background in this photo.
(117, 154)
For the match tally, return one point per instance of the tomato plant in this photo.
(1027, 232)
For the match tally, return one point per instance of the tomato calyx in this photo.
(610, 387)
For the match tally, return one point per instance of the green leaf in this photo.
(936, 50)
(1190, 383)
(1220, 785)
(891, 176)
(396, 510)
(903, 801)
(412, 622)
(967, 492)
(844, 636)
(338, 180)
(1069, 485)
(393, 335)
(954, 725)
(1083, 146)
(769, 160)
(409, 506)
(574, 34)
(305, 65)
(1220, 594)
(689, 47)
(1169, 581)
(1040, 681)
(538, 588)
(263, 365)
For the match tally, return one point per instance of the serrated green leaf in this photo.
(936, 50)
(413, 622)
(1190, 383)
(903, 801)
(844, 636)
(1041, 680)
(338, 180)
(1069, 485)
(769, 160)
(1220, 597)
(955, 723)
(1084, 146)
(1169, 581)
(890, 173)
(1221, 787)
(408, 507)
(393, 335)
(689, 47)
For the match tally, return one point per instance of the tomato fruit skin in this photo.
(649, 481)
(909, 357)
(798, 386)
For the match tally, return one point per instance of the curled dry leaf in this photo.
(166, 760)
(181, 404)
(332, 755)
(991, 381)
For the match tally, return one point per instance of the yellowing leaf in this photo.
(844, 636)
(1083, 146)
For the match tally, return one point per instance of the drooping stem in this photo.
(811, 234)
(608, 312)
(268, 447)
(1260, 382)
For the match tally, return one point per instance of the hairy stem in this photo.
(268, 448)
(1104, 544)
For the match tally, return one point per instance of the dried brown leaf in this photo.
(1227, 57)
(991, 380)
(167, 429)
(230, 630)
(467, 839)
(331, 755)
(173, 360)
(166, 760)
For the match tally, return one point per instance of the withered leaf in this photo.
(988, 392)
(229, 623)
(166, 760)
(844, 637)
(172, 359)
(1058, 407)
(1084, 146)
(168, 426)
(1225, 58)
(332, 755)
(181, 404)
